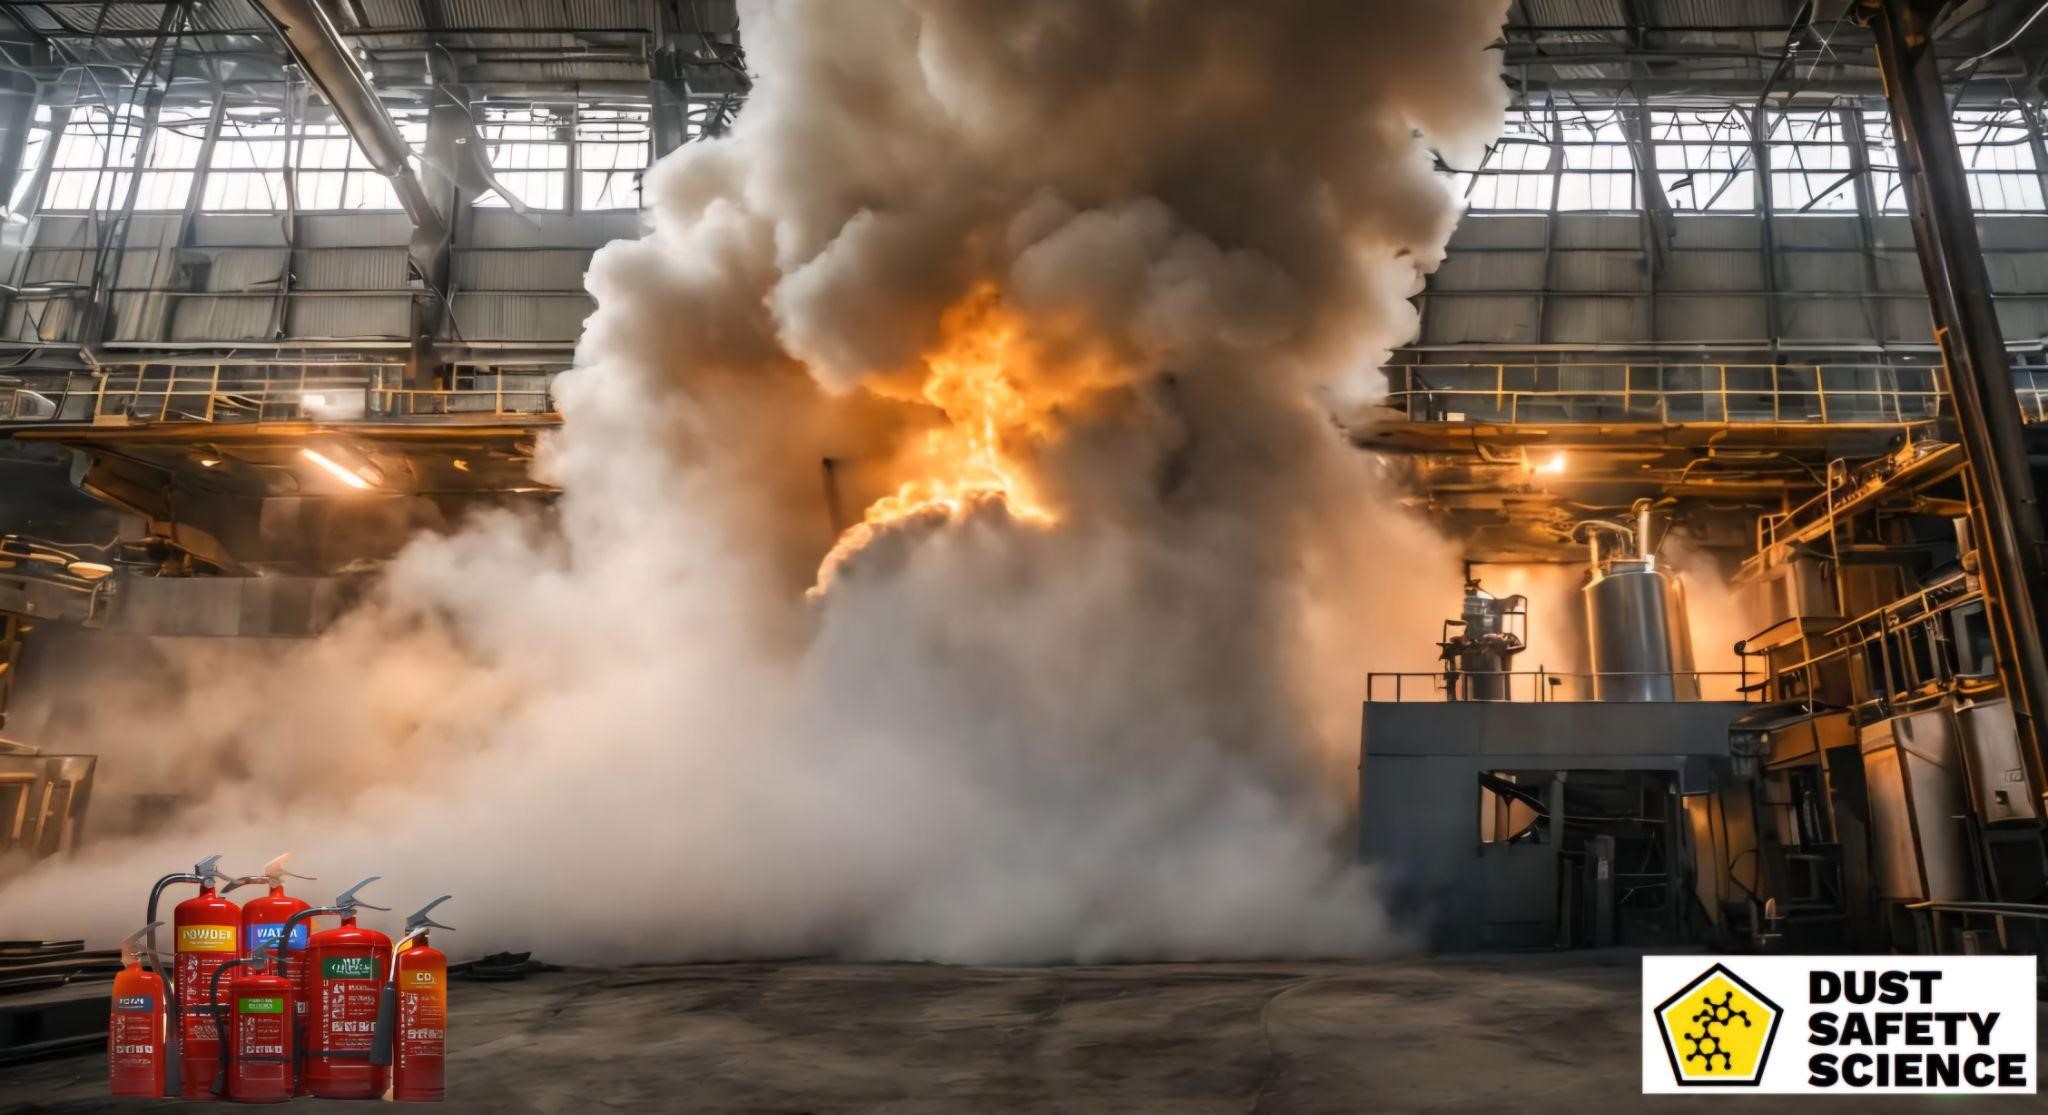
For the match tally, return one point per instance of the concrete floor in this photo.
(1535, 1033)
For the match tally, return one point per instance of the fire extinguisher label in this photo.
(348, 1014)
(133, 1040)
(349, 967)
(259, 1028)
(264, 935)
(141, 1004)
(206, 938)
(195, 981)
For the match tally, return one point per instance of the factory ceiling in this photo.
(89, 49)
(1722, 49)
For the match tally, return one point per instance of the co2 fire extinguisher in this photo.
(257, 1022)
(135, 1025)
(343, 970)
(412, 1016)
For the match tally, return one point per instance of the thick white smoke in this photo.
(626, 732)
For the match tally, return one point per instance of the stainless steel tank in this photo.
(1635, 622)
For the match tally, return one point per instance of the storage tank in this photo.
(1635, 617)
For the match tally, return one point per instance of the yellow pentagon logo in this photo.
(1717, 1030)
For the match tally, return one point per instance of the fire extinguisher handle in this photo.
(422, 919)
(209, 870)
(387, 1023)
(245, 881)
(348, 897)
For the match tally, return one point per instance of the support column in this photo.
(11, 631)
(2006, 516)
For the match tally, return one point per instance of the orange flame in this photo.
(968, 461)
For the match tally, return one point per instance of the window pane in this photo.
(1704, 159)
(612, 145)
(1511, 191)
(1810, 166)
(78, 190)
(32, 153)
(527, 147)
(243, 192)
(164, 190)
(1597, 191)
(1998, 153)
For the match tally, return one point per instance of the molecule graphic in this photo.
(1706, 1045)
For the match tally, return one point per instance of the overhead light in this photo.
(461, 465)
(1554, 466)
(335, 470)
(208, 462)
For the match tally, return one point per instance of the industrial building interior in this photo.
(1730, 394)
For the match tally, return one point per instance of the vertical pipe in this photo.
(2006, 512)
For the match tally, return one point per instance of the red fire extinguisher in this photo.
(345, 968)
(257, 1021)
(264, 918)
(173, 991)
(412, 1016)
(208, 931)
(135, 1025)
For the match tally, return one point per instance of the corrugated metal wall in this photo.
(327, 278)
(1827, 282)
(1511, 281)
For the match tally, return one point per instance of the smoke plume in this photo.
(957, 557)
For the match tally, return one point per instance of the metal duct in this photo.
(317, 46)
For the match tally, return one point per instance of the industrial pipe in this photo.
(318, 48)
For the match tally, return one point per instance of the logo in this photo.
(206, 938)
(1789, 1025)
(349, 967)
(1718, 1030)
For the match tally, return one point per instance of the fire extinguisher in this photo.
(206, 931)
(173, 1037)
(264, 918)
(257, 1044)
(344, 969)
(135, 1025)
(412, 1016)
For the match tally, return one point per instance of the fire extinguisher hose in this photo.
(174, 1036)
(223, 1027)
(416, 926)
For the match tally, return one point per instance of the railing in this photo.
(2033, 915)
(154, 393)
(43, 800)
(1843, 487)
(1726, 394)
(1528, 686)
